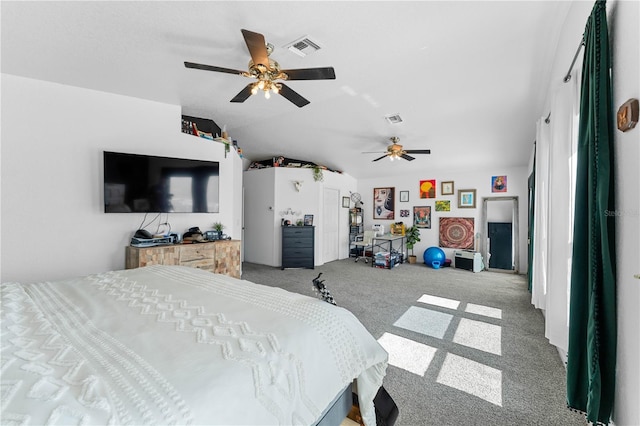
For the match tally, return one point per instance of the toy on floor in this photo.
(322, 290)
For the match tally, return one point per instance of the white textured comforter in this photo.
(176, 345)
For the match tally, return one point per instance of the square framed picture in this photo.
(446, 188)
(499, 183)
(466, 198)
(404, 196)
(308, 220)
(384, 203)
(345, 202)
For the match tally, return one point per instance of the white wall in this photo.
(480, 180)
(53, 225)
(624, 37)
(623, 17)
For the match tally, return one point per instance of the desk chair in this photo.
(364, 244)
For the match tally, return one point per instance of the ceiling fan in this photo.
(395, 150)
(267, 71)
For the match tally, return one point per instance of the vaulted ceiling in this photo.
(468, 79)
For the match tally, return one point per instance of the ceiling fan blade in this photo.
(380, 158)
(292, 95)
(326, 73)
(212, 68)
(373, 152)
(407, 157)
(257, 47)
(244, 94)
(417, 151)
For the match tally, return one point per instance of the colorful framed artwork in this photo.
(499, 184)
(428, 188)
(383, 203)
(345, 202)
(404, 196)
(466, 198)
(456, 232)
(422, 216)
(443, 206)
(446, 188)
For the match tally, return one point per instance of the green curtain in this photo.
(592, 322)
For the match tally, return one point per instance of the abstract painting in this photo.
(443, 206)
(428, 188)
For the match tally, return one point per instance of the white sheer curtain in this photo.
(540, 217)
(561, 205)
(556, 147)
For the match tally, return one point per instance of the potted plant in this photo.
(412, 235)
(218, 226)
(318, 176)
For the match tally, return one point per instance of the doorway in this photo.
(500, 242)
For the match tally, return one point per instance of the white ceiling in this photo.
(467, 78)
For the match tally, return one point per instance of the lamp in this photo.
(266, 76)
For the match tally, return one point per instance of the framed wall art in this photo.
(345, 202)
(466, 198)
(446, 188)
(428, 188)
(499, 184)
(443, 206)
(404, 196)
(422, 216)
(383, 203)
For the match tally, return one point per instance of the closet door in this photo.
(330, 225)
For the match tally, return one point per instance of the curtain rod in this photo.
(568, 76)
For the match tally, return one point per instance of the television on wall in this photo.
(136, 183)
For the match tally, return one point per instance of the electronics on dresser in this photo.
(215, 236)
(136, 183)
(150, 242)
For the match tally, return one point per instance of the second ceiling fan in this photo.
(267, 72)
(395, 150)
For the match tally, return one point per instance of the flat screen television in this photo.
(136, 183)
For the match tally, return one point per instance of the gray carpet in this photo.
(475, 351)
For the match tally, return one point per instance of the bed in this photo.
(177, 345)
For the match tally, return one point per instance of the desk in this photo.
(387, 241)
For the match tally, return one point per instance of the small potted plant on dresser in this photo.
(412, 235)
(218, 227)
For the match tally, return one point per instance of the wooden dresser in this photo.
(298, 247)
(220, 257)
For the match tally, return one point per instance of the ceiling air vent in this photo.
(393, 118)
(303, 46)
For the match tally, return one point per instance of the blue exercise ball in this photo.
(434, 257)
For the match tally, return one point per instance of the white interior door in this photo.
(330, 225)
